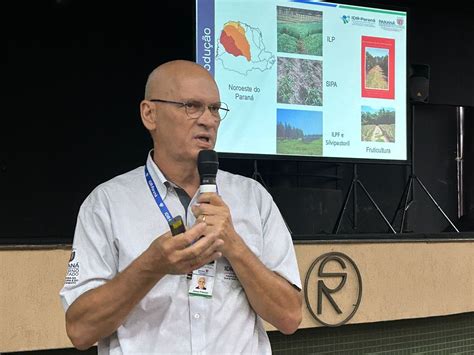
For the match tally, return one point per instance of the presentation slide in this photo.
(307, 79)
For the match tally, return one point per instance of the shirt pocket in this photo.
(225, 275)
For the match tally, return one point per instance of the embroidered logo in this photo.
(72, 276)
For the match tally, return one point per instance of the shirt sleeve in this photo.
(278, 251)
(94, 256)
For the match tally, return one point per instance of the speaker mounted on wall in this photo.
(419, 82)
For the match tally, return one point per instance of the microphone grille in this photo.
(208, 162)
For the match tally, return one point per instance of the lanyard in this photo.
(206, 273)
(156, 195)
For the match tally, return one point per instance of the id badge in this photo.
(202, 281)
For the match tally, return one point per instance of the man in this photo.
(130, 291)
(201, 283)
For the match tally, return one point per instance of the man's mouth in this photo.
(205, 139)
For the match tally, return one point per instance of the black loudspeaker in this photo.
(419, 82)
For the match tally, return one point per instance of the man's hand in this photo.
(213, 211)
(184, 252)
(269, 294)
(99, 312)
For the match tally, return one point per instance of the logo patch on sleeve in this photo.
(72, 276)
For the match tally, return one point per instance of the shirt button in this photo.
(197, 316)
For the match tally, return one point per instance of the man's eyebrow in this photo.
(202, 101)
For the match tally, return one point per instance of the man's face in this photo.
(178, 135)
(201, 283)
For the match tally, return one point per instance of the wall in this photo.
(400, 280)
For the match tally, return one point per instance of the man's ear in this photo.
(147, 114)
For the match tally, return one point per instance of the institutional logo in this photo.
(72, 276)
(333, 289)
(392, 25)
(359, 20)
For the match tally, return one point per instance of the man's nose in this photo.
(207, 118)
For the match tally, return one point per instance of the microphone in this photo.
(207, 166)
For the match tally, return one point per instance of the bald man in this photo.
(130, 284)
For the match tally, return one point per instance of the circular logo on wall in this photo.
(333, 289)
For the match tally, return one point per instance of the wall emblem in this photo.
(333, 289)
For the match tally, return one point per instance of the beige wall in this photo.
(404, 280)
(400, 280)
(31, 315)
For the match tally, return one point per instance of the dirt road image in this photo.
(377, 124)
(376, 78)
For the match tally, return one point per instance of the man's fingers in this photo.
(189, 250)
(206, 210)
(203, 261)
(209, 254)
(211, 249)
(165, 236)
(210, 198)
(197, 210)
(202, 248)
(202, 219)
(190, 236)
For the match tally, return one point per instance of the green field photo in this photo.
(299, 132)
(299, 147)
(299, 31)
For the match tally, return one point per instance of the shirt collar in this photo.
(162, 183)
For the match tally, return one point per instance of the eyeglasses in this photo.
(195, 109)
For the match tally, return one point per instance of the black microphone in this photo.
(207, 166)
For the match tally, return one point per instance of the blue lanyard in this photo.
(156, 195)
